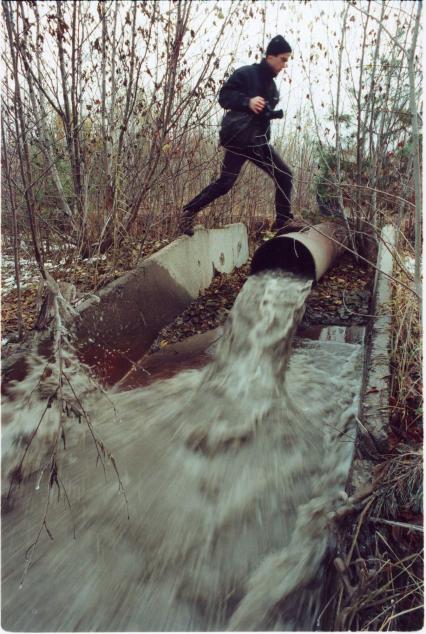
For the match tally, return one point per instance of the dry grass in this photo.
(406, 358)
(400, 484)
(380, 586)
(380, 571)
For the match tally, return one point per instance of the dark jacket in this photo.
(240, 126)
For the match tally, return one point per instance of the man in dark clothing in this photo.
(250, 96)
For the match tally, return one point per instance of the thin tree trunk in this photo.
(173, 48)
(359, 148)
(338, 140)
(75, 109)
(108, 232)
(337, 118)
(371, 113)
(22, 143)
(108, 198)
(404, 192)
(130, 80)
(46, 142)
(68, 120)
(15, 231)
(416, 155)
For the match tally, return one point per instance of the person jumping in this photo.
(249, 96)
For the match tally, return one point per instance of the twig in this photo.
(31, 549)
(413, 527)
(399, 596)
(69, 504)
(18, 469)
(99, 444)
(358, 528)
(394, 616)
(89, 424)
(402, 561)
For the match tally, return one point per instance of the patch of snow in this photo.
(95, 258)
(8, 260)
(409, 263)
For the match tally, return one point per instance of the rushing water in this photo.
(230, 472)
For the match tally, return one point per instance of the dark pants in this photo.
(264, 157)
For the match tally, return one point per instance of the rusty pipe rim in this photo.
(309, 253)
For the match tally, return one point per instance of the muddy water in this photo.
(230, 472)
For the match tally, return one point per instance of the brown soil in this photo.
(88, 277)
(341, 297)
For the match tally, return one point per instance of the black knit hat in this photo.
(277, 46)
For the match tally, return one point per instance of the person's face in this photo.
(278, 62)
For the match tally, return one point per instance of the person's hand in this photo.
(257, 104)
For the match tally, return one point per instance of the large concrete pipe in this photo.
(311, 251)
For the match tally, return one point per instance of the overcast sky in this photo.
(308, 27)
(312, 28)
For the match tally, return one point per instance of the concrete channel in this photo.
(117, 325)
(116, 328)
(372, 434)
(197, 351)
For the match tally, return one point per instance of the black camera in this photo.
(269, 113)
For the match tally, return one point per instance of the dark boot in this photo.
(280, 223)
(291, 225)
(186, 223)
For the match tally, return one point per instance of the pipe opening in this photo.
(286, 253)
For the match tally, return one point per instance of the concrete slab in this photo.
(117, 325)
(375, 398)
(193, 352)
